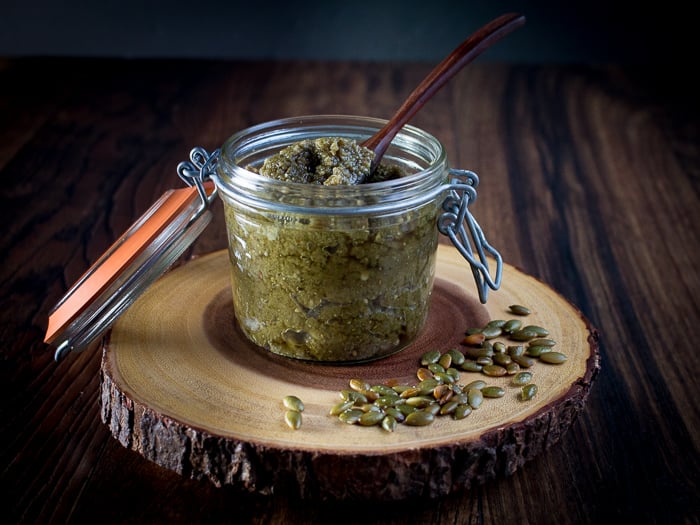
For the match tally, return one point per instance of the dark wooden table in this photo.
(590, 178)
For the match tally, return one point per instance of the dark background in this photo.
(562, 32)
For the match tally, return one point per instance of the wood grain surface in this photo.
(589, 182)
(183, 387)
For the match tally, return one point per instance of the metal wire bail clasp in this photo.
(198, 170)
(465, 233)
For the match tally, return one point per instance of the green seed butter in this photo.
(325, 287)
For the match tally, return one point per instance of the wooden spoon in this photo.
(467, 51)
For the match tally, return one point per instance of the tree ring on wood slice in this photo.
(183, 387)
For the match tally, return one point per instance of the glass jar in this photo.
(331, 273)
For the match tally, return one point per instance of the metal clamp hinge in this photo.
(457, 223)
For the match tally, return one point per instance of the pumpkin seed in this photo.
(371, 418)
(524, 335)
(499, 347)
(491, 332)
(512, 325)
(521, 378)
(423, 373)
(431, 356)
(528, 392)
(523, 360)
(457, 356)
(537, 350)
(387, 401)
(395, 413)
(543, 342)
(436, 368)
(293, 403)
(419, 418)
(389, 423)
(406, 409)
(358, 385)
(445, 361)
(293, 419)
(433, 409)
(426, 387)
(351, 416)
(494, 370)
(462, 411)
(419, 401)
(553, 358)
(484, 361)
(502, 359)
(476, 353)
(541, 332)
(475, 398)
(493, 391)
(498, 323)
(518, 309)
(471, 366)
(476, 339)
(449, 407)
(515, 350)
(478, 384)
(382, 390)
(512, 368)
(453, 373)
(341, 407)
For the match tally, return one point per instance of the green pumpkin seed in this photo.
(411, 392)
(445, 378)
(389, 423)
(523, 360)
(471, 366)
(358, 385)
(431, 356)
(543, 342)
(453, 373)
(491, 332)
(518, 309)
(436, 368)
(445, 361)
(521, 378)
(512, 368)
(528, 392)
(419, 419)
(484, 361)
(387, 401)
(371, 418)
(512, 325)
(541, 332)
(382, 390)
(462, 411)
(476, 353)
(406, 409)
(293, 419)
(341, 407)
(499, 347)
(419, 401)
(478, 384)
(457, 357)
(494, 370)
(449, 407)
(293, 403)
(476, 398)
(426, 387)
(524, 335)
(493, 391)
(395, 413)
(502, 359)
(515, 350)
(351, 416)
(498, 323)
(433, 409)
(553, 358)
(537, 350)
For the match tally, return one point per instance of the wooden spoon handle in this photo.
(467, 51)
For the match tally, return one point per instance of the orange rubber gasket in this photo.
(99, 277)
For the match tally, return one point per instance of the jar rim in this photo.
(425, 153)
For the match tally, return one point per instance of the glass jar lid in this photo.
(141, 255)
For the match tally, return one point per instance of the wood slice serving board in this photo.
(183, 387)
